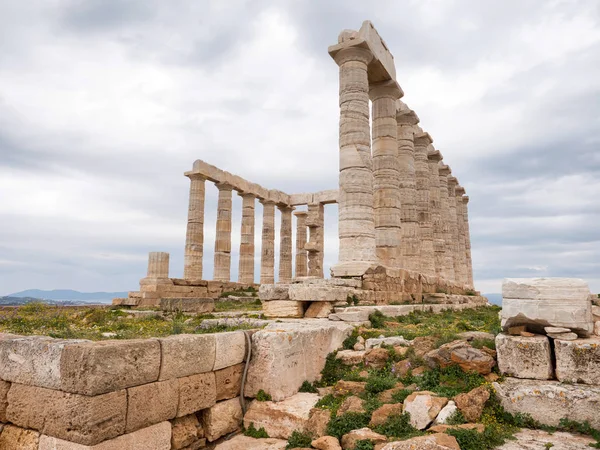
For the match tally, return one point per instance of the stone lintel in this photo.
(326, 197)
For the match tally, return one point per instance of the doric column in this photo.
(435, 205)
(301, 254)
(386, 173)
(355, 202)
(246, 267)
(460, 222)
(410, 243)
(223, 235)
(315, 244)
(427, 264)
(454, 229)
(444, 171)
(285, 244)
(158, 265)
(465, 200)
(194, 236)
(267, 257)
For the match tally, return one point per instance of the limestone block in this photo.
(283, 308)
(524, 357)
(566, 289)
(326, 443)
(156, 437)
(316, 293)
(187, 354)
(351, 316)
(350, 357)
(318, 421)
(195, 305)
(301, 349)
(438, 441)
(447, 411)
(280, 419)
(388, 341)
(184, 431)
(534, 439)
(229, 381)
(319, 310)
(230, 349)
(222, 418)
(550, 401)
(241, 442)
(349, 440)
(77, 418)
(578, 361)
(151, 403)
(15, 438)
(301, 199)
(196, 392)
(423, 407)
(4, 388)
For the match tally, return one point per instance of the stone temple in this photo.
(403, 219)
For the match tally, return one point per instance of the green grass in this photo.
(398, 426)
(257, 434)
(221, 306)
(299, 440)
(340, 425)
(262, 396)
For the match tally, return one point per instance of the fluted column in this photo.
(454, 228)
(194, 236)
(386, 173)
(246, 267)
(410, 242)
(315, 245)
(460, 222)
(427, 264)
(158, 265)
(267, 258)
(439, 246)
(355, 202)
(465, 200)
(223, 235)
(301, 254)
(285, 245)
(444, 172)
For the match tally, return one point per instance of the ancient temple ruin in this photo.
(403, 219)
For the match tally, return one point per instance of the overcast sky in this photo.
(105, 103)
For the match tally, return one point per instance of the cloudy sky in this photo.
(105, 103)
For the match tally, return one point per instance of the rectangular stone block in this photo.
(316, 293)
(72, 417)
(187, 354)
(151, 404)
(156, 437)
(268, 292)
(524, 357)
(301, 199)
(578, 361)
(222, 418)
(283, 308)
(16, 438)
(318, 310)
(566, 289)
(230, 349)
(195, 305)
(196, 392)
(229, 381)
(4, 387)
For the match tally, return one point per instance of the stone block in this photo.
(241, 442)
(156, 437)
(15, 438)
(301, 349)
(229, 381)
(222, 418)
(283, 309)
(72, 417)
(195, 305)
(268, 292)
(151, 403)
(4, 387)
(184, 431)
(437, 441)
(578, 361)
(281, 419)
(423, 407)
(566, 289)
(196, 392)
(187, 354)
(230, 349)
(318, 310)
(524, 357)
(550, 401)
(319, 293)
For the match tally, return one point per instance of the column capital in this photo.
(385, 89)
(246, 194)
(423, 139)
(195, 176)
(452, 181)
(465, 199)
(434, 156)
(222, 186)
(285, 208)
(445, 170)
(459, 191)
(353, 53)
(406, 117)
(301, 213)
(265, 201)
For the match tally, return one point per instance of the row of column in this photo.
(309, 246)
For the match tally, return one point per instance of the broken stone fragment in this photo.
(349, 440)
(423, 408)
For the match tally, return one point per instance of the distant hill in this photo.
(495, 299)
(68, 295)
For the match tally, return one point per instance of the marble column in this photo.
(246, 266)
(410, 243)
(465, 200)
(460, 222)
(386, 173)
(301, 254)
(454, 228)
(194, 236)
(267, 259)
(315, 245)
(285, 245)
(355, 202)
(444, 172)
(223, 234)
(435, 204)
(158, 265)
(427, 263)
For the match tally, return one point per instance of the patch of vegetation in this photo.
(377, 383)
(333, 371)
(352, 300)
(580, 427)
(307, 386)
(340, 425)
(491, 438)
(480, 343)
(470, 292)
(253, 432)
(364, 444)
(231, 305)
(351, 340)
(398, 426)
(377, 319)
(262, 396)
(456, 418)
(330, 402)
(370, 402)
(449, 381)
(400, 395)
(299, 440)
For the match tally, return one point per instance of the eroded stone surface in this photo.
(15, 438)
(438, 441)
(222, 418)
(151, 403)
(241, 442)
(187, 354)
(349, 440)
(230, 349)
(524, 357)
(578, 361)
(423, 408)
(538, 439)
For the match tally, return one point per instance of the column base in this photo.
(351, 268)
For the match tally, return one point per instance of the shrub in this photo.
(491, 438)
(364, 444)
(398, 426)
(456, 418)
(307, 386)
(340, 425)
(253, 432)
(262, 396)
(377, 319)
(333, 371)
(351, 340)
(299, 440)
(400, 395)
(330, 402)
(378, 383)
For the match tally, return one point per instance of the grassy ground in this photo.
(254, 305)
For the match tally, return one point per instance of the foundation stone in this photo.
(524, 357)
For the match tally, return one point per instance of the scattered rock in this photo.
(423, 408)
(471, 404)
(401, 351)
(386, 396)
(446, 412)
(476, 335)
(351, 404)
(538, 439)
(343, 388)
(349, 440)
(563, 336)
(389, 341)
(350, 357)
(423, 345)
(317, 423)
(381, 414)
(326, 443)
(241, 442)
(554, 330)
(527, 334)
(401, 368)
(359, 347)
(473, 360)
(491, 377)
(516, 330)
(442, 356)
(376, 358)
(184, 431)
(418, 371)
(439, 441)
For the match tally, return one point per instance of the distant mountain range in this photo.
(67, 296)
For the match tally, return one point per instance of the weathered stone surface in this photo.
(4, 387)
(578, 361)
(556, 330)
(351, 404)
(471, 403)
(423, 345)
(222, 418)
(568, 289)
(438, 441)
(476, 335)
(401, 368)
(319, 310)
(187, 354)
(230, 349)
(442, 356)
(350, 357)
(77, 418)
(344, 387)
(447, 411)
(15, 438)
(473, 360)
(524, 357)
(317, 423)
(195, 305)
(267, 292)
(538, 439)
(151, 403)
(326, 443)
(156, 437)
(423, 407)
(184, 431)
(381, 414)
(550, 401)
(301, 349)
(283, 308)
(280, 419)
(229, 381)
(376, 358)
(241, 442)
(388, 341)
(563, 336)
(349, 440)
(196, 392)
(387, 396)
(319, 293)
